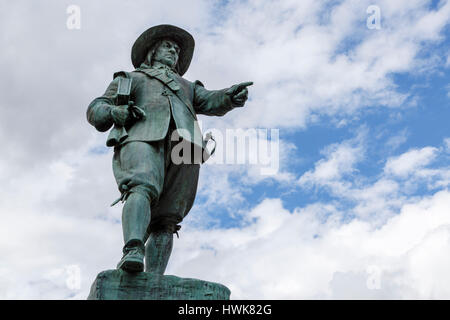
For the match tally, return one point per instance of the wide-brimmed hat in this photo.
(151, 36)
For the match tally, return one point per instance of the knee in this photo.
(166, 224)
(145, 191)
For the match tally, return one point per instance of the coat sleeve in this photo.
(211, 102)
(99, 110)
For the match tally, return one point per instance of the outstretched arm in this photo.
(219, 102)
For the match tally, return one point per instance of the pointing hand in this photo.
(239, 93)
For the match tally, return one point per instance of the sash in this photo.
(161, 75)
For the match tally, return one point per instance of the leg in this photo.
(137, 168)
(157, 251)
(176, 200)
(135, 217)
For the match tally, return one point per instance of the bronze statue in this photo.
(148, 107)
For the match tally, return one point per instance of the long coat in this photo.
(160, 94)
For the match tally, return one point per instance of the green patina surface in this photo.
(121, 285)
(146, 108)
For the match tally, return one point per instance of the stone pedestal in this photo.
(121, 285)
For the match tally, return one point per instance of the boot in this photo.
(133, 257)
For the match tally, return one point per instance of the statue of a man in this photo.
(158, 192)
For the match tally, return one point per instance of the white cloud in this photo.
(395, 141)
(375, 200)
(57, 191)
(340, 160)
(303, 258)
(447, 144)
(410, 161)
(337, 67)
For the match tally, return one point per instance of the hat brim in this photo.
(152, 35)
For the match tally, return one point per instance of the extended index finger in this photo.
(244, 85)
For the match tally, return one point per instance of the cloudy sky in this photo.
(359, 206)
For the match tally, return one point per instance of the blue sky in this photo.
(360, 205)
(420, 121)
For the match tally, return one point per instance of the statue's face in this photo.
(167, 53)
